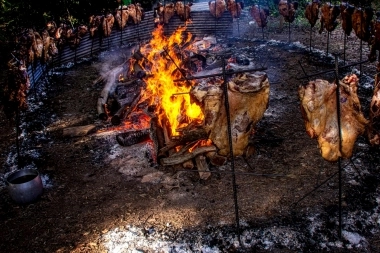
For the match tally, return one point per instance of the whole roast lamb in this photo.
(319, 111)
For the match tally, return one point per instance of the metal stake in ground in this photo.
(361, 55)
(226, 103)
(344, 49)
(340, 143)
(328, 43)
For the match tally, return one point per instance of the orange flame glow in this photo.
(163, 64)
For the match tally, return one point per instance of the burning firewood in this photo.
(181, 158)
(133, 137)
(319, 111)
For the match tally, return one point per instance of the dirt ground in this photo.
(93, 185)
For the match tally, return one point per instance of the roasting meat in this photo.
(217, 8)
(234, 8)
(51, 27)
(375, 38)
(288, 10)
(163, 13)
(135, 13)
(183, 10)
(329, 17)
(361, 23)
(107, 24)
(373, 130)
(49, 47)
(15, 88)
(244, 89)
(95, 24)
(260, 15)
(319, 111)
(346, 11)
(312, 12)
(121, 18)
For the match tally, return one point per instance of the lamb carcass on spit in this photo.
(375, 38)
(361, 23)
(346, 11)
(373, 130)
(217, 8)
(288, 10)
(234, 8)
(163, 13)
(319, 111)
(183, 10)
(95, 24)
(107, 24)
(312, 12)
(260, 15)
(121, 18)
(244, 89)
(329, 17)
(136, 13)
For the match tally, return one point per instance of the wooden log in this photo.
(133, 137)
(188, 164)
(179, 159)
(116, 118)
(216, 159)
(203, 169)
(102, 108)
(157, 136)
(77, 131)
(195, 134)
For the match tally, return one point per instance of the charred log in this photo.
(133, 137)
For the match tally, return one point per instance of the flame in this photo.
(163, 64)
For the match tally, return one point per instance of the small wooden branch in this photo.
(175, 159)
(203, 170)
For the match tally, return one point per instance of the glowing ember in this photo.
(164, 64)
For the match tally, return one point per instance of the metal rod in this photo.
(236, 173)
(344, 49)
(121, 23)
(219, 74)
(361, 55)
(328, 42)
(338, 114)
(234, 186)
(289, 32)
(303, 70)
(332, 70)
(17, 136)
(311, 31)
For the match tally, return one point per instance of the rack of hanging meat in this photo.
(178, 102)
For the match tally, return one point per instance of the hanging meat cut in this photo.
(346, 11)
(361, 23)
(288, 10)
(244, 89)
(163, 13)
(329, 17)
(312, 12)
(183, 10)
(217, 8)
(373, 130)
(319, 111)
(234, 8)
(260, 15)
(107, 24)
(375, 39)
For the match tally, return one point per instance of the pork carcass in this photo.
(361, 23)
(312, 12)
(346, 11)
(375, 38)
(329, 17)
(373, 130)
(244, 89)
(288, 10)
(217, 8)
(107, 24)
(319, 112)
(235, 8)
(95, 24)
(121, 18)
(183, 10)
(260, 15)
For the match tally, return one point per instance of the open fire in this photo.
(178, 84)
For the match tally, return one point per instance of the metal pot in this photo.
(24, 186)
